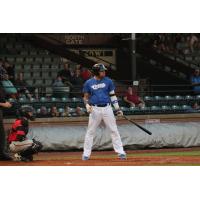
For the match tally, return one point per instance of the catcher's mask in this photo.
(99, 67)
(27, 111)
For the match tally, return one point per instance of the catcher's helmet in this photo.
(99, 67)
(25, 110)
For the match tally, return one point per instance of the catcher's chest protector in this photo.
(20, 127)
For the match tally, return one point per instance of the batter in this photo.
(99, 93)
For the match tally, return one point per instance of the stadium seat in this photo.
(33, 52)
(155, 109)
(38, 60)
(18, 67)
(32, 100)
(131, 110)
(175, 108)
(38, 82)
(24, 52)
(10, 59)
(55, 66)
(27, 67)
(188, 97)
(11, 100)
(27, 75)
(23, 100)
(165, 108)
(45, 67)
(53, 99)
(43, 99)
(76, 100)
(47, 60)
(36, 66)
(19, 60)
(67, 100)
(178, 97)
(29, 60)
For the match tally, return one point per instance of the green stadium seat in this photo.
(24, 52)
(47, 60)
(19, 60)
(36, 66)
(29, 60)
(43, 99)
(11, 100)
(38, 60)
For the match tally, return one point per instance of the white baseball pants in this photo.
(17, 147)
(106, 114)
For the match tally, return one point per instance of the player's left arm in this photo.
(114, 100)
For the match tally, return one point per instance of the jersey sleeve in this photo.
(111, 85)
(86, 88)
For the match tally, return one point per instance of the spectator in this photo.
(195, 81)
(43, 112)
(76, 79)
(22, 85)
(85, 74)
(80, 111)
(193, 41)
(196, 106)
(54, 112)
(65, 73)
(77, 82)
(9, 89)
(10, 70)
(133, 99)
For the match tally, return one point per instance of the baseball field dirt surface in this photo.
(154, 157)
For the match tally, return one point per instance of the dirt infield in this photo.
(159, 157)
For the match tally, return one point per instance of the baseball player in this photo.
(19, 144)
(99, 93)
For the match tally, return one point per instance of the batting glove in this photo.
(119, 113)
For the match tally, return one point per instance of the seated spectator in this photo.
(196, 106)
(65, 73)
(10, 70)
(80, 112)
(133, 99)
(66, 112)
(195, 81)
(22, 86)
(85, 74)
(54, 112)
(77, 82)
(8, 86)
(43, 112)
(192, 42)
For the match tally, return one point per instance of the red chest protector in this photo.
(18, 129)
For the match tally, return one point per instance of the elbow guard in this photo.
(114, 100)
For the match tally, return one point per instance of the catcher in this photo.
(19, 144)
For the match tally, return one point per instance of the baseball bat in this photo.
(144, 129)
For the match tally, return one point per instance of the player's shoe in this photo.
(85, 157)
(122, 156)
(17, 157)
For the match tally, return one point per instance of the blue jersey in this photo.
(99, 90)
(195, 79)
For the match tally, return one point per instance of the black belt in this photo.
(101, 105)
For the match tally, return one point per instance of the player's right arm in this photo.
(86, 92)
(86, 102)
